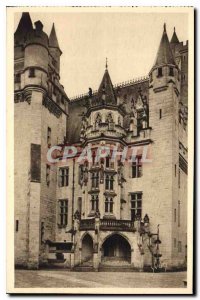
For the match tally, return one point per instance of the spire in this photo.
(106, 91)
(164, 54)
(25, 25)
(106, 63)
(174, 39)
(53, 41)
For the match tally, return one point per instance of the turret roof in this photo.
(25, 25)
(174, 39)
(164, 54)
(53, 41)
(106, 90)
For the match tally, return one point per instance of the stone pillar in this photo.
(96, 257)
(72, 260)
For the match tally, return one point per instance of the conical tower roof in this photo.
(106, 90)
(53, 41)
(174, 39)
(25, 25)
(164, 54)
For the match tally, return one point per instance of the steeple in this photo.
(174, 39)
(25, 25)
(53, 41)
(164, 54)
(106, 92)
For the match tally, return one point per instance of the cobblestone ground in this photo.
(65, 279)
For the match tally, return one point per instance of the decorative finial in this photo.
(164, 27)
(174, 29)
(106, 63)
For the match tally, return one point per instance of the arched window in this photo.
(110, 121)
(98, 120)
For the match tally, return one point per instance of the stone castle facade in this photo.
(99, 214)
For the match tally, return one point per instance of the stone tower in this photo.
(164, 102)
(41, 109)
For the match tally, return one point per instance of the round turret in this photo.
(36, 56)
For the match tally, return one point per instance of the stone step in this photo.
(103, 268)
(83, 269)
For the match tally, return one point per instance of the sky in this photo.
(129, 40)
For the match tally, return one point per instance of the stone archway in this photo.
(87, 249)
(116, 250)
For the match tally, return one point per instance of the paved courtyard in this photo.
(66, 279)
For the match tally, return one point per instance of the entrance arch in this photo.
(87, 249)
(116, 249)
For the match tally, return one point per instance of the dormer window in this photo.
(160, 74)
(171, 71)
(31, 72)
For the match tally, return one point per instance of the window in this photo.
(179, 246)
(107, 161)
(31, 72)
(160, 72)
(175, 215)
(174, 242)
(175, 170)
(49, 136)
(160, 113)
(95, 202)
(136, 205)
(63, 177)
(62, 99)
(63, 212)
(137, 167)
(109, 120)
(109, 182)
(109, 205)
(17, 78)
(93, 158)
(95, 179)
(47, 174)
(98, 121)
(171, 71)
(179, 178)
(42, 232)
(179, 213)
(17, 226)
(80, 205)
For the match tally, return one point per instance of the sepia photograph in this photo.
(101, 122)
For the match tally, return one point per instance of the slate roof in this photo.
(164, 54)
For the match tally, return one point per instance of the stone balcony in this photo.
(104, 224)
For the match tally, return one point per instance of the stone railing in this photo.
(122, 225)
(114, 225)
(87, 224)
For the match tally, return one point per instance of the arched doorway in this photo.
(87, 250)
(116, 250)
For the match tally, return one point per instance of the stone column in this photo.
(72, 260)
